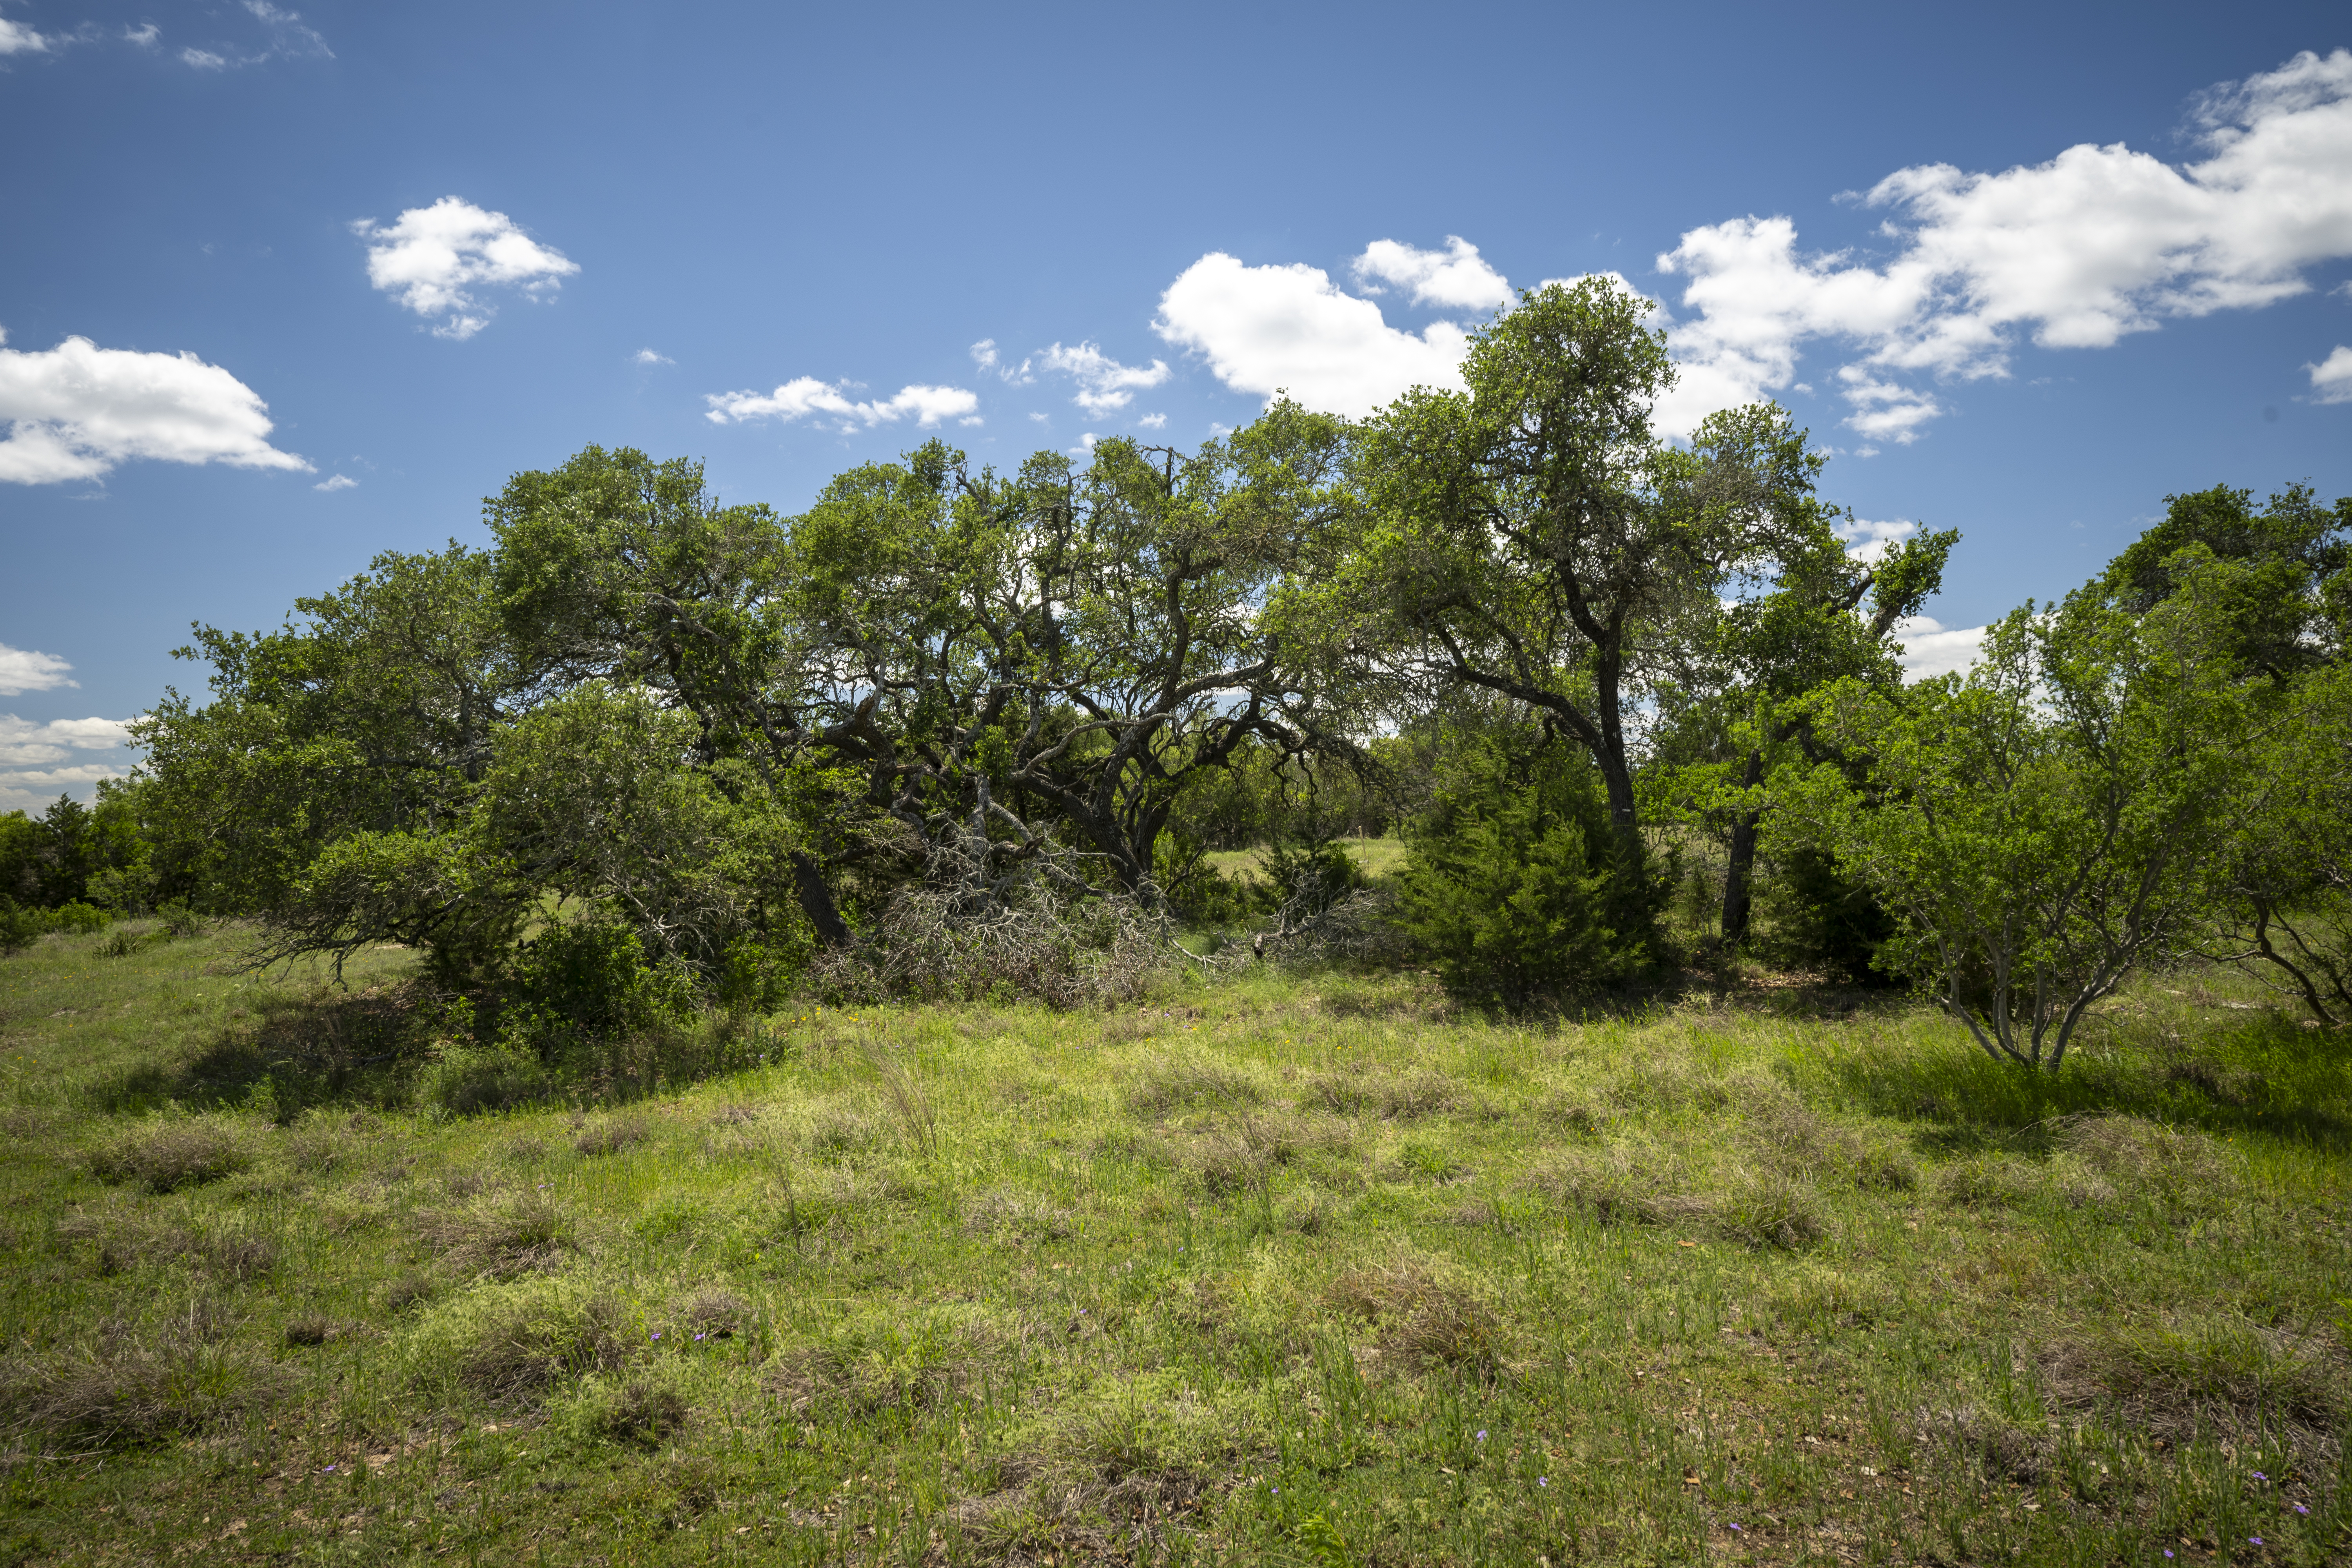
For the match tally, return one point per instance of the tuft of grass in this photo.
(168, 1152)
(2175, 1377)
(123, 1387)
(1168, 1087)
(613, 1135)
(506, 1342)
(498, 1238)
(1422, 1317)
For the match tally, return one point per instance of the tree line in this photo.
(1617, 692)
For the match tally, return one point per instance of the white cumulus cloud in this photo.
(2099, 242)
(1104, 384)
(983, 354)
(647, 356)
(432, 258)
(337, 482)
(1867, 541)
(1930, 647)
(1276, 328)
(1455, 278)
(24, 742)
(2331, 378)
(76, 411)
(806, 396)
(23, 669)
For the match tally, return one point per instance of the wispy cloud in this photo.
(17, 38)
(337, 482)
(1104, 384)
(647, 356)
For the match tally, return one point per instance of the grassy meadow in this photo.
(1288, 1269)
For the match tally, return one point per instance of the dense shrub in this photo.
(1819, 919)
(1516, 887)
(590, 981)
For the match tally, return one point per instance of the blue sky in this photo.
(286, 286)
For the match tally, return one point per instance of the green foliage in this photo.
(1516, 887)
(2046, 823)
(1310, 872)
(2284, 569)
(1823, 919)
(2288, 883)
(74, 853)
(20, 927)
(593, 977)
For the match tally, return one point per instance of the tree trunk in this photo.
(1739, 878)
(816, 900)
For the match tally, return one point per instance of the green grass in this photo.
(1380, 858)
(1279, 1269)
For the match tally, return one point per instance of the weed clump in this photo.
(169, 1153)
(2173, 1377)
(1406, 1097)
(1767, 1210)
(230, 1250)
(920, 1361)
(640, 1413)
(2180, 1169)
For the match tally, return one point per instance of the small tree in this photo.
(2288, 880)
(2044, 823)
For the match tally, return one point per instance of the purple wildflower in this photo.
(2260, 1476)
(2253, 1540)
(698, 1336)
(2301, 1509)
(1544, 1481)
(1734, 1527)
(656, 1333)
